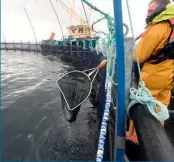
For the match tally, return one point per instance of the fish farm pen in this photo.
(20, 46)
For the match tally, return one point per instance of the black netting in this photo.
(70, 115)
(75, 86)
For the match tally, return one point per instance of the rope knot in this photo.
(144, 97)
(142, 84)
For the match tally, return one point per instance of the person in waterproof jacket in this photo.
(156, 53)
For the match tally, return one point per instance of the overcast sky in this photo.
(16, 26)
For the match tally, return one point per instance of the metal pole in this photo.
(31, 25)
(57, 17)
(4, 41)
(120, 68)
(4, 36)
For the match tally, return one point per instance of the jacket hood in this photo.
(162, 13)
(167, 14)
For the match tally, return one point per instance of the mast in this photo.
(57, 18)
(4, 36)
(31, 25)
(120, 68)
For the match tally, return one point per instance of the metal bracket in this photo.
(171, 111)
(120, 142)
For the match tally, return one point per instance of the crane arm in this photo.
(71, 11)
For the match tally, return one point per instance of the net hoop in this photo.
(75, 71)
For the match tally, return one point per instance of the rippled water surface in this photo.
(33, 125)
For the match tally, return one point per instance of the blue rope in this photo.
(103, 129)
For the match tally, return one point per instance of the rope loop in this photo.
(144, 97)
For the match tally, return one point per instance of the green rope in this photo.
(108, 43)
(110, 70)
(110, 53)
(98, 10)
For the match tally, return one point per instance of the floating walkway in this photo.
(21, 46)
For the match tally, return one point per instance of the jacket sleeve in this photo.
(150, 41)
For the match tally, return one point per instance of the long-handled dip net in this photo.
(75, 86)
